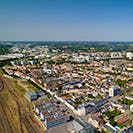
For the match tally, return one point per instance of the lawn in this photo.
(30, 86)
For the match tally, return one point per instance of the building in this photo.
(24, 62)
(96, 120)
(32, 62)
(116, 104)
(48, 111)
(127, 130)
(14, 62)
(56, 119)
(98, 103)
(38, 103)
(131, 108)
(89, 57)
(129, 55)
(129, 97)
(31, 95)
(40, 93)
(45, 114)
(81, 126)
(42, 108)
(85, 108)
(122, 118)
(114, 90)
(109, 128)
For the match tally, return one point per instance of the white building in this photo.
(84, 109)
(129, 55)
(24, 62)
(110, 128)
(56, 119)
(114, 90)
(131, 108)
(129, 97)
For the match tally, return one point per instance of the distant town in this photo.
(74, 87)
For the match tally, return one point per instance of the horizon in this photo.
(66, 41)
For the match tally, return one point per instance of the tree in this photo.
(59, 90)
(120, 82)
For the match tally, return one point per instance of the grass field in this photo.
(30, 86)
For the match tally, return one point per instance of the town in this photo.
(75, 90)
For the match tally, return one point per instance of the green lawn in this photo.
(30, 86)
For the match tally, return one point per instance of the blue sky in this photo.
(88, 20)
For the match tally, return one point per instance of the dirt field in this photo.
(16, 114)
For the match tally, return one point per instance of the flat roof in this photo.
(53, 117)
(46, 113)
(41, 108)
(38, 102)
(31, 92)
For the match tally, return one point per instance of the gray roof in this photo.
(87, 127)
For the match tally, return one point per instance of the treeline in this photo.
(87, 46)
(4, 49)
(5, 62)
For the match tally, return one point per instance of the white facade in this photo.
(112, 90)
(84, 109)
(94, 122)
(131, 108)
(56, 121)
(129, 55)
(81, 111)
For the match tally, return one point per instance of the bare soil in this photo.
(16, 114)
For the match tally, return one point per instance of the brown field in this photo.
(16, 114)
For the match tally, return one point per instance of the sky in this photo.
(66, 20)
